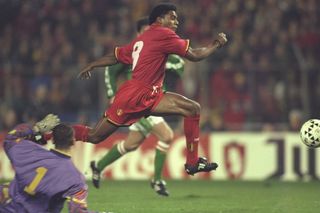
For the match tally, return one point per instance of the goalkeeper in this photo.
(114, 76)
(44, 179)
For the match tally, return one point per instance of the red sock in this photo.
(80, 132)
(47, 136)
(191, 131)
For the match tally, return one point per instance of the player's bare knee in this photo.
(131, 147)
(168, 137)
(195, 109)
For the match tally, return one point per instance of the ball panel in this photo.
(310, 133)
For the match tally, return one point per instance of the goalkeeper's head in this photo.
(63, 136)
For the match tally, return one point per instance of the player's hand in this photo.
(221, 40)
(85, 73)
(46, 124)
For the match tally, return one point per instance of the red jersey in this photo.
(148, 53)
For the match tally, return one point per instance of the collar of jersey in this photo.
(59, 152)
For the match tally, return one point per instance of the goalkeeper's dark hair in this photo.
(142, 22)
(63, 136)
(160, 10)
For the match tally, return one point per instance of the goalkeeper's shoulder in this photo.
(22, 130)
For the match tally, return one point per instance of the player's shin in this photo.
(161, 153)
(191, 130)
(114, 154)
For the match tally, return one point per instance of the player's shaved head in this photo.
(160, 10)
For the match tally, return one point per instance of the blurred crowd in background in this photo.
(266, 78)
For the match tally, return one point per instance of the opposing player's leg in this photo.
(138, 132)
(132, 142)
(103, 129)
(165, 136)
(176, 104)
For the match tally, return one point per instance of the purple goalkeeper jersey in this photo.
(44, 179)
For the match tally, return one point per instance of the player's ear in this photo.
(159, 20)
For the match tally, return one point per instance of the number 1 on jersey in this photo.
(137, 47)
(41, 172)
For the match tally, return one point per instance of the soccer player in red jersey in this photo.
(142, 95)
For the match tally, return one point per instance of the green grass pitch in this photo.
(194, 196)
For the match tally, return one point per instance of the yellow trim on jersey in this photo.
(62, 152)
(12, 132)
(81, 202)
(5, 192)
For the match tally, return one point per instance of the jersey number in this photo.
(41, 172)
(137, 47)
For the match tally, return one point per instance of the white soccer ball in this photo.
(310, 133)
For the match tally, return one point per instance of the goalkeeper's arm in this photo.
(77, 202)
(33, 133)
(24, 132)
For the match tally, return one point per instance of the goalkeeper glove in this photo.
(46, 124)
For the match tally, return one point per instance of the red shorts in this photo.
(133, 101)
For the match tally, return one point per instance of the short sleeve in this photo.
(123, 54)
(173, 44)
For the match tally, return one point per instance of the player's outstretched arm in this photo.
(25, 130)
(33, 133)
(107, 60)
(197, 54)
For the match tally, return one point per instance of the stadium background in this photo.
(255, 92)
